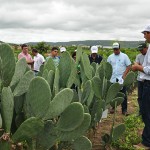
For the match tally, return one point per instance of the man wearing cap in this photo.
(94, 57)
(121, 65)
(145, 76)
(139, 59)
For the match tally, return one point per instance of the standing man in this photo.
(121, 65)
(26, 55)
(139, 59)
(38, 61)
(94, 57)
(54, 56)
(145, 76)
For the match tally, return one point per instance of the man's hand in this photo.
(137, 67)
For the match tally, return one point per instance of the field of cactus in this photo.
(58, 108)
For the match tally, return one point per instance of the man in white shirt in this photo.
(121, 65)
(145, 76)
(38, 61)
(142, 47)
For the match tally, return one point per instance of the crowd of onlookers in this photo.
(121, 65)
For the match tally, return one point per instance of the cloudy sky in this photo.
(70, 20)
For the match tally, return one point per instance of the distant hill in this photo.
(105, 43)
(124, 44)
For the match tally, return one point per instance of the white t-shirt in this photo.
(38, 61)
(139, 60)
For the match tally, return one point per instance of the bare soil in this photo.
(105, 125)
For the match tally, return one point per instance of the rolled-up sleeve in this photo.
(146, 70)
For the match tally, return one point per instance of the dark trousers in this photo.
(140, 92)
(145, 110)
(124, 103)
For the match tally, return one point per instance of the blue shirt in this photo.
(55, 60)
(119, 64)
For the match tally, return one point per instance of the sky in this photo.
(24, 21)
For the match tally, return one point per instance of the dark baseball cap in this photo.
(141, 46)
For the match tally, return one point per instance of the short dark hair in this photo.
(24, 45)
(35, 50)
(54, 48)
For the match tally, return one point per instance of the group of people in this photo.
(38, 59)
(121, 65)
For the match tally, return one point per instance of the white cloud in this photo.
(65, 20)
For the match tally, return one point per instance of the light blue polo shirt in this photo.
(55, 60)
(119, 64)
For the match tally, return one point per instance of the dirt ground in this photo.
(105, 126)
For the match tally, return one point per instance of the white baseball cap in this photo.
(94, 49)
(146, 29)
(115, 45)
(62, 49)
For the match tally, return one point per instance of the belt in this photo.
(146, 81)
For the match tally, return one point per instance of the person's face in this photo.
(25, 50)
(33, 53)
(116, 51)
(147, 36)
(143, 51)
(94, 55)
(54, 53)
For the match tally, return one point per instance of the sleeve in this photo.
(146, 70)
(108, 59)
(42, 59)
(127, 61)
(137, 59)
(20, 56)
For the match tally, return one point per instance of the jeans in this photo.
(140, 92)
(145, 110)
(124, 103)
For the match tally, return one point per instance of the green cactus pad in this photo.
(129, 79)
(78, 54)
(79, 131)
(59, 103)
(86, 65)
(20, 69)
(82, 143)
(118, 131)
(7, 64)
(23, 84)
(49, 65)
(47, 137)
(108, 70)
(38, 97)
(73, 74)
(112, 92)
(64, 68)
(50, 79)
(45, 74)
(97, 86)
(116, 101)
(28, 129)
(7, 107)
(71, 118)
(86, 91)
